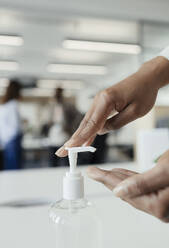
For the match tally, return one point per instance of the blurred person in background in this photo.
(63, 121)
(65, 113)
(66, 118)
(10, 127)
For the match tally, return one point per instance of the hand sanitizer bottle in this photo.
(75, 219)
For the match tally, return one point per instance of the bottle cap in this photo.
(73, 182)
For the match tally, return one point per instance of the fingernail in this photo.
(94, 173)
(121, 190)
(60, 151)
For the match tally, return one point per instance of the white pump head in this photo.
(73, 183)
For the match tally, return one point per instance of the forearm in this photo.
(157, 71)
(153, 74)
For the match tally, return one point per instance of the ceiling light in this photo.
(53, 84)
(11, 40)
(102, 46)
(75, 57)
(77, 69)
(9, 66)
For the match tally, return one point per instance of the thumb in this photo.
(140, 184)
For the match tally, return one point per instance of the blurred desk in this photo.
(124, 226)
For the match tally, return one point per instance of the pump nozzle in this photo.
(81, 149)
(72, 154)
(73, 186)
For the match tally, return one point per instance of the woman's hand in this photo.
(130, 99)
(148, 192)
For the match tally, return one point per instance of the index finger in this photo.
(93, 121)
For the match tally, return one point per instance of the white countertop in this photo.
(124, 226)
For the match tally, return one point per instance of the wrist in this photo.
(156, 71)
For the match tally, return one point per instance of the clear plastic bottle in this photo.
(76, 222)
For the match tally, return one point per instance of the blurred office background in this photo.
(77, 48)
